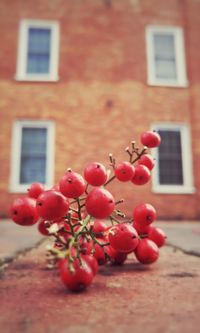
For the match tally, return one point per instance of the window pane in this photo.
(38, 57)
(164, 53)
(164, 46)
(33, 155)
(39, 40)
(170, 158)
(165, 69)
(38, 64)
(32, 170)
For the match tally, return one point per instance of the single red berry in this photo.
(79, 277)
(52, 205)
(124, 171)
(91, 261)
(144, 214)
(85, 245)
(147, 251)
(23, 211)
(150, 139)
(123, 237)
(157, 235)
(142, 175)
(72, 184)
(35, 190)
(99, 203)
(95, 174)
(99, 227)
(99, 253)
(43, 227)
(142, 229)
(147, 160)
(117, 258)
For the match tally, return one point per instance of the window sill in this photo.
(23, 188)
(173, 189)
(172, 84)
(37, 78)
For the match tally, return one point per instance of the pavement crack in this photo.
(4, 262)
(188, 252)
(182, 275)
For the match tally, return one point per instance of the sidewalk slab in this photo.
(183, 235)
(134, 298)
(15, 239)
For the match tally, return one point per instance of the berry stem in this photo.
(79, 208)
(84, 225)
(75, 201)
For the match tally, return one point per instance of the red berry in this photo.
(142, 229)
(52, 205)
(35, 190)
(144, 214)
(99, 251)
(91, 261)
(99, 227)
(23, 211)
(150, 139)
(124, 171)
(77, 279)
(99, 203)
(42, 227)
(147, 251)
(147, 160)
(142, 175)
(72, 184)
(85, 245)
(95, 174)
(123, 237)
(117, 258)
(157, 235)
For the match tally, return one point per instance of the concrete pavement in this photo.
(132, 298)
(15, 239)
(160, 298)
(183, 235)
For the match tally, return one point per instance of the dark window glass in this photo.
(170, 158)
(33, 155)
(38, 57)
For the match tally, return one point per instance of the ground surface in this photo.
(164, 297)
(15, 239)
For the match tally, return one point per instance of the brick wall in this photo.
(101, 101)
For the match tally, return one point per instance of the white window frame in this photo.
(187, 186)
(21, 74)
(15, 185)
(177, 32)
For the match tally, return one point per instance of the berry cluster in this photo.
(82, 216)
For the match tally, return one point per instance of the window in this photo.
(38, 51)
(173, 170)
(165, 56)
(32, 154)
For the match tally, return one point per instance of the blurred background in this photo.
(81, 79)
